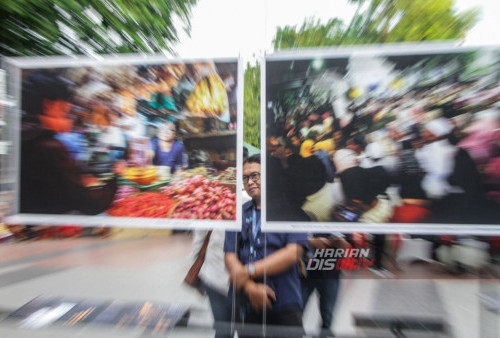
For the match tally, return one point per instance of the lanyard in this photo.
(255, 226)
(253, 239)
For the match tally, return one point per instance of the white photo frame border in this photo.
(15, 66)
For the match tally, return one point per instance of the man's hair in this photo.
(253, 159)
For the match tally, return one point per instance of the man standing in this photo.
(263, 267)
(325, 282)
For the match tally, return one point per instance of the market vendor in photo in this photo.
(166, 150)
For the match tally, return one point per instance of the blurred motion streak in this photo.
(92, 27)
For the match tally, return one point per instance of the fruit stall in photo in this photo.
(133, 137)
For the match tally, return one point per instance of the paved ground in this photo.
(142, 267)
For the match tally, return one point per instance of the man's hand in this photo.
(328, 242)
(260, 295)
(320, 242)
(239, 277)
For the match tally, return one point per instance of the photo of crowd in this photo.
(130, 140)
(407, 137)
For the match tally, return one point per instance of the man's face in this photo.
(251, 179)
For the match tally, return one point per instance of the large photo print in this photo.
(130, 140)
(379, 137)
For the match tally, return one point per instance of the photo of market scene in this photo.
(381, 138)
(154, 140)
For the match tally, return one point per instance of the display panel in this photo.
(135, 141)
(398, 138)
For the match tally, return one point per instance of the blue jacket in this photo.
(249, 249)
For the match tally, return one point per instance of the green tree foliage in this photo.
(251, 100)
(55, 27)
(381, 21)
(375, 21)
(311, 34)
(428, 20)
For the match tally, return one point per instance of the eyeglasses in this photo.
(253, 176)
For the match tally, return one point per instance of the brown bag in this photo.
(192, 277)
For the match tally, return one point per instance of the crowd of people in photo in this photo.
(446, 165)
(429, 156)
